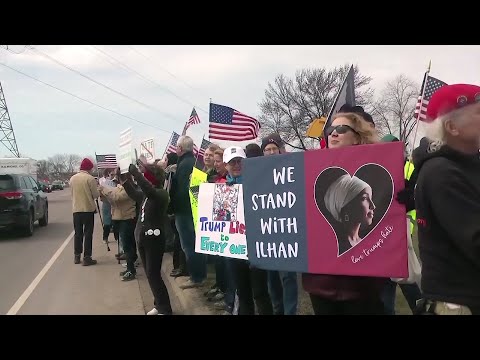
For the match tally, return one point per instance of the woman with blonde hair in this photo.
(342, 294)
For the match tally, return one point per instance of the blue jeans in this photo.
(411, 292)
(283, 289)
(126, 230)
(196, 262)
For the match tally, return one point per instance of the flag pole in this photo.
(96, 200)
(210, 105)
(98, 170)
(166, 147)
(425, 80)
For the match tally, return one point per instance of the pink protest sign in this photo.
(354, 224)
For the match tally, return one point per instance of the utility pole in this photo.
(7, 136)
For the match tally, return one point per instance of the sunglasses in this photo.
(235, 161)
(340, 129)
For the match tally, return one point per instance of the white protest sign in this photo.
(221, 223)
(147, 149)
(126, 154)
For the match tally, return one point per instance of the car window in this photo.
(34, 183)
(7, 183)
(26, 184)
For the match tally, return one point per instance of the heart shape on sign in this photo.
(353, 205)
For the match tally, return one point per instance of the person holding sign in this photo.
(282, 285)
(342, 294)
(224, 287)
(123, 213)
(151, 231)
(245, 279)
(447, 199)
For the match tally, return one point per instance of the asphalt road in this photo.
(38, 276)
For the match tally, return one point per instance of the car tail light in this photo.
(12, 195)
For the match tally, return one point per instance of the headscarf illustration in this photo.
(356, 195)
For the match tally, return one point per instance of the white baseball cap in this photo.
(233, 152)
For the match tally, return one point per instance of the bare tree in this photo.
(290, 105)
(394, 110)
(73, 162)
(58, 164)
(43, 169)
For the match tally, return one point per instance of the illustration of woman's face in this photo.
(361, 208)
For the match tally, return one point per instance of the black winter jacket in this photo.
(179, 192)
(447, 200)
(153, 204)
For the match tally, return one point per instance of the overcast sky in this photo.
(175, 78)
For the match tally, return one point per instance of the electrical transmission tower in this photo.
(7, 137)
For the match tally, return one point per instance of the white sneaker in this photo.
(153, 312)
(136, 265)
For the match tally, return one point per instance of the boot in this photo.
(87, 261)
(77, 259)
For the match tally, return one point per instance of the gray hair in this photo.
(186, 143)
(436, 131)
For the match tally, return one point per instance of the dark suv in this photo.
(22, 202)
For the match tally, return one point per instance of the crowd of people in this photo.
(151, 203)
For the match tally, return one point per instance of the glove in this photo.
(132, 169)
(407, 196)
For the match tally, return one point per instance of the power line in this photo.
(173, 75)
(41, 53)
(96, 54)
(147, 79)
(13, 52)
(80, 98)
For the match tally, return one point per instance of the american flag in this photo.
(108, 161)
(194, 119)
(229, 124)
(203, 147)
(432, 85)
(172, 146)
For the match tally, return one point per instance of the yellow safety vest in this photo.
(412, 215)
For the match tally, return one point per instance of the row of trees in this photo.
(291, 104)
(59, 166)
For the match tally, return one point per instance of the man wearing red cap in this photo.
(84, 192)
(447, 198)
